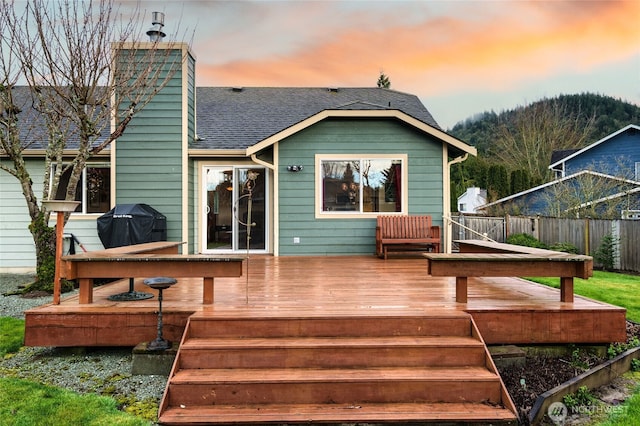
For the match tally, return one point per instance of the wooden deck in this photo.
(506, 310)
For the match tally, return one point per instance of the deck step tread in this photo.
(337, 342)
(343, 375)
(366, 412)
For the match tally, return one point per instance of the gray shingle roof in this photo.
(32, 124)
(237, 118)
(560, 154)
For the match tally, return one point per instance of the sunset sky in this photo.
(459, 57)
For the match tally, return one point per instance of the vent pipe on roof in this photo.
(155, 33)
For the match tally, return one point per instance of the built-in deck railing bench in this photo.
(478, 258)
(406, 233)
(147, 260)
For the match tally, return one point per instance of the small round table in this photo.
(160, 283)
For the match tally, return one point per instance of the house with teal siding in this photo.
(271, 170)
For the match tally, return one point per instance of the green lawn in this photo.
(629, 413)
(24, 402)
(27, 403)
(11, 335)
(609, 287)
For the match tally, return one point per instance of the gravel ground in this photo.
(105, 371)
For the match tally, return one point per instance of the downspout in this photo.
(254, 158)
(448, 224)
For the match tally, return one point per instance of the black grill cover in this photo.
(128, 224)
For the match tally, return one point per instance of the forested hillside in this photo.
(515, 146)
(610, 115)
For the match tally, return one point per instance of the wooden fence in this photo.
(585, 234)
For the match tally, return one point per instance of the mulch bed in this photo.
(542, 373)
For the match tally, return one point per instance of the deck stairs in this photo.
(334, 370)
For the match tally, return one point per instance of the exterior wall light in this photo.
(294, 168)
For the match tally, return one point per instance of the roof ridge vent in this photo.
(333, 89)
(237, 89)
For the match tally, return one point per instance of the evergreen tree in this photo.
(519, 181)
(497, 182)
(383, 81)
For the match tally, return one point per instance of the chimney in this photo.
(155, 32)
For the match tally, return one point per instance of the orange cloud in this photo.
(510, 43)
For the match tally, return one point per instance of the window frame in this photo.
(84, 187)
(404, 203)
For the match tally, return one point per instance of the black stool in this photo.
(160, 283)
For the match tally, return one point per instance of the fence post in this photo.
(587, 230)
(507, 226)
(615, 232)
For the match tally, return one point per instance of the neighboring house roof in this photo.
(556, 164)
(632, 191)
(556, 182)
(556, 156)
(239, 118)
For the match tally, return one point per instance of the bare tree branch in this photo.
(85, 75)
(538, 130)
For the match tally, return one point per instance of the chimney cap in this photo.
(155, 33)
(157, 18)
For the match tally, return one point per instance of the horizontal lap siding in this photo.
(17, 251)
(425, 183)
(616, 156)
(149, 157)
(357, 235)
(191, 123)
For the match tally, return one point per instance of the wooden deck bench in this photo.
(484, 259)
(406, 233)
(147, 260)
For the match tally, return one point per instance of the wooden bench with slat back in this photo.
(406, 233)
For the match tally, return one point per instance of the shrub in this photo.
(582, 397)
(564, 247)
(525, 240)
(607, 252)
(616, 349)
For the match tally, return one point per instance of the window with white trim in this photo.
(93, 191)
(361, 185)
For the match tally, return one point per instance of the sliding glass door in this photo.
(236, 209)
